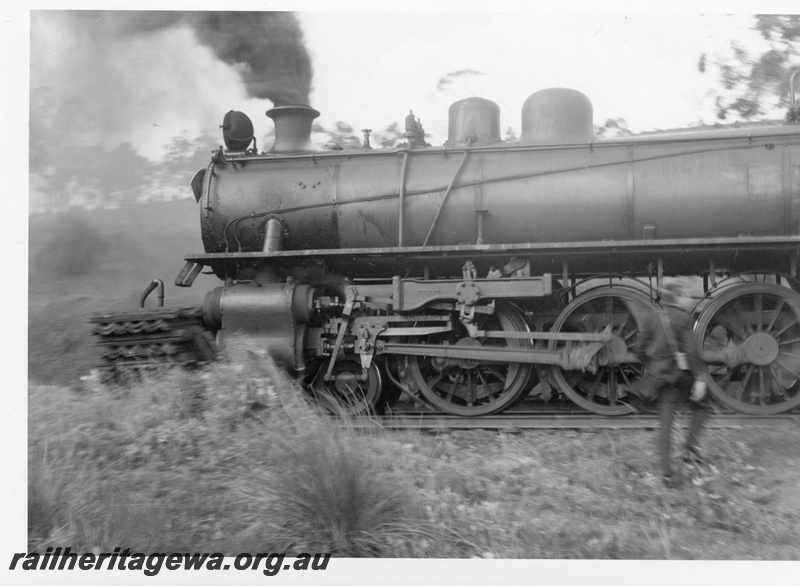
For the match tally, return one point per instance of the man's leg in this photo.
(667, 403)
(700, 413)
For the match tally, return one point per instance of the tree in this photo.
(752, 85)
(613, 127)
(389, 137)
(341, 137)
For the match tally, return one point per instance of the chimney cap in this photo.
(292, 128)
(292, 108)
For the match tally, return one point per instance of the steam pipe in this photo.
(273, 236)
(273, 242)
(402, 202)
(446, 196)
(153, 284)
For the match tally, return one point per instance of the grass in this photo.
(216, 460)
(234, 459)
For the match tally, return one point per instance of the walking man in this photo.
(673, 374)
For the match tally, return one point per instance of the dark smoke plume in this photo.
(266, 48)
(268, 45)
(114, 95)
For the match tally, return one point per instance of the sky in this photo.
(144, 93)
(640, 67)
(370, 69)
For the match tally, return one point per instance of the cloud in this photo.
(449, 78)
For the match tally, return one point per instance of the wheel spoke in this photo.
(590, 319)
(731, 325)
(783, 365)
(785, 329)
(579, 322)
(612, 385)
(741, 311)
(624, 323)
(776, 380)
(746, 380)
(471, 394)
(450, 392)
(776, 313)
(596, 384)
(484, 383)
(727, 378)
(437, 378)
(758, 306)
(494, 372)
(625, 377)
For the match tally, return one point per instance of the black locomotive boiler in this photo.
(466, 274)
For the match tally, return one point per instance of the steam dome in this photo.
(557, 115)
(473, 120)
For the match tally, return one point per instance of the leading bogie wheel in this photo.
(347, 395)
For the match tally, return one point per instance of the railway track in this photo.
(515, 422)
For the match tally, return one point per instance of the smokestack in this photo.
(292, 128)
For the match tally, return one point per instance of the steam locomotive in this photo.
(467, 274)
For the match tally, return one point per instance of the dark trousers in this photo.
(670, 397)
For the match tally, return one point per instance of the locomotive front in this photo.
(464, 275)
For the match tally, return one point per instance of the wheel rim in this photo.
(348, 397)
(605, 391)
(762, 321)
(471, 388)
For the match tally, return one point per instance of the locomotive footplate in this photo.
(684, 255)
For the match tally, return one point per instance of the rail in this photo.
(514, 422)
